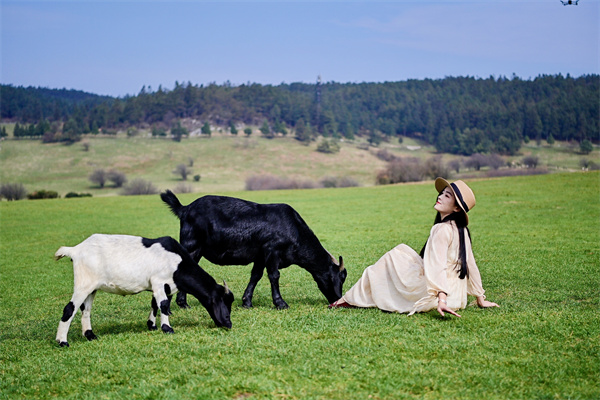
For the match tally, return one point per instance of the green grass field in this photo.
(536, 240)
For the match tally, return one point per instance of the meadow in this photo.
(225, 162)
(536, 239)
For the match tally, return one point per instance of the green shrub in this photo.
(328, 146)
(43, 194)
(159, 131)
(73, 194)
(530, 161)
(586, 146)
(132, 131)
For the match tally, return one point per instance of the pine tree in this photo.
(206, 129)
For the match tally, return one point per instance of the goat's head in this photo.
(220, 306)
(331, 278)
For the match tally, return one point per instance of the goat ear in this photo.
(227, 291)
(341, 264)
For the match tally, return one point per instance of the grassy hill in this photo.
(224, 162)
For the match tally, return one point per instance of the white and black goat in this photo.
(126, 265)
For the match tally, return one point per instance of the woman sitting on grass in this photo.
(440, 278)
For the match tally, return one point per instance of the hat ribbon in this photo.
(459, 196)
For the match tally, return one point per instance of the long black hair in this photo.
(460, 218)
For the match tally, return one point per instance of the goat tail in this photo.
(172, 201)
(63, 252)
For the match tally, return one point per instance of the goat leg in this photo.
(278, 301)
(255, 276)
(181, 300)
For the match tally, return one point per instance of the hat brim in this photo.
(441, 184)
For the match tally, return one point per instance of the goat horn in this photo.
(227, 291)
(332, 258)
(341, 264)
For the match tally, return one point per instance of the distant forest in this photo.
(460, 115)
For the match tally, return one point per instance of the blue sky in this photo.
(117, 47)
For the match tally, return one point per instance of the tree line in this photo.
(460, 115)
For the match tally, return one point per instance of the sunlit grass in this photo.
(536, 240)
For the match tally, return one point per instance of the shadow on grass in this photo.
(261, 303)
(114, 329)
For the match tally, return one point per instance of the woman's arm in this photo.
(435, 259)
(434, 267)
(443, 305)
(474, 285)
(483, 303)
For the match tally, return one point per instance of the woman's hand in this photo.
(443, 306)
(483, 303)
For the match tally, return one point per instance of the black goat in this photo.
(231, 231)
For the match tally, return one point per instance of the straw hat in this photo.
(463, 194)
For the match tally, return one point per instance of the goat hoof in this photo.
(282, 306)
(167, 329)
(151, 326)
(89, 335)
(246, 302)
(63, 344)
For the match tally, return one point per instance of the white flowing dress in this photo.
(401, 281)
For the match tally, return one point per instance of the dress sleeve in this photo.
(435, 259)
(474, 285)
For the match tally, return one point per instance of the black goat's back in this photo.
(232, 231)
